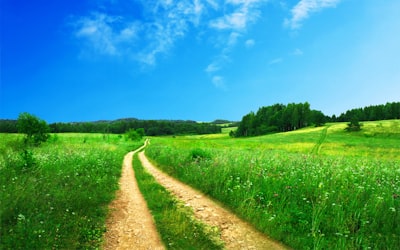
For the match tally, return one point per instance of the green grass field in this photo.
(314, 188)
(55, 196)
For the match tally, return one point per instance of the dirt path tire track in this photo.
(130, 224)
(236, 233)
(317, 147)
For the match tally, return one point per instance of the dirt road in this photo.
(236, 233)
(130, 224)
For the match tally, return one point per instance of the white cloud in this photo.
(164, 23)
(275, 61)
(98, 31)
(243, 13)
(213, 4)
(303, 8)
(249, 43)
(235, 21)
(297, 52)
(219, 82)
(232, 25)
(213, 67)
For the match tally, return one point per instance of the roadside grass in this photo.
(340, 198)
(176, 223)
(56, 196)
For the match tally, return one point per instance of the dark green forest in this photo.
(151, 127)
(281, 118)
(390, 110)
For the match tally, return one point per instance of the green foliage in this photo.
(148, 127)
(58, 197)
(199, 154)
(141, 132)
(279, 117)
(336, 199)
(175, 222)
(390, 110)
(35, 129)
(133, 135)
(354, 125)
(28, 160)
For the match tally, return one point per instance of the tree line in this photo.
(281, 118)
(390, 110)
(269, 119)
(150, 127)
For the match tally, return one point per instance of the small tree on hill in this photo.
(354, 125)
(35, 129)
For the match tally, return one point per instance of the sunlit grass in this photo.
(56, 196)
(346, 195)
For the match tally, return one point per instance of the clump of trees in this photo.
(280, 118)
(35, 129)
(135, 135)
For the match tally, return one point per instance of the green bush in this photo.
(35, 129)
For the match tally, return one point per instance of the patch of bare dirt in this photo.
(130, 224)
(236, 233)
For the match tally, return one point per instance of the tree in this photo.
(133, 135)
(246, 127)
(35, 129)
(141, 132)
(317, 118)
(354, 125)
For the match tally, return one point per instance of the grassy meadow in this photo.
(55, 196)
(314, 188)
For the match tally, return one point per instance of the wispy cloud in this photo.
(237, 17)
(275, 61)
(142, 39)
(241, 13)
(303, 8)
(98, 31)
(297, 52)
(213, 67)
(219, 82)
(249, 43)
(163, 23)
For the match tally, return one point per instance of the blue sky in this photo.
(195, 59)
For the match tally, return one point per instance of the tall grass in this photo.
(56, 195)
(308, 201)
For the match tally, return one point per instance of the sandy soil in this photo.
(236, 233)
(130, 224)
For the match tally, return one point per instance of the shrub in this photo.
(354, 125)
(35, 129)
